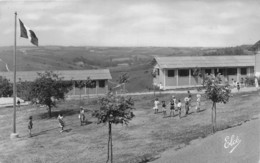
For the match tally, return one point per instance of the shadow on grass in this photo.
(57, 128)
(54, 114)
(201, 110)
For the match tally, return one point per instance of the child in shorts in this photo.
(61, 122)
(172, 106)
(164, 109)
(30, 126)
(187, 105)
(81, 116)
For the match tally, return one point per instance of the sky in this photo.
(161, 23)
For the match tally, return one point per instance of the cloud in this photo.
(135, 22)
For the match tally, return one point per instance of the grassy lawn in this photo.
(147, 134)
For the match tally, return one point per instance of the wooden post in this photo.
(177, 77)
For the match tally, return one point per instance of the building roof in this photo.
(100, 74)
(205, 61)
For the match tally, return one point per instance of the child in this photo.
(61, 122)
(172, 106)
(187, 105)
(198, 102)
(179, 108)
(81, 116)
(30, 126)
(18, 103)
(238, 86)
(164, 109)
(242, 81)
(190, 97)
(156, 102)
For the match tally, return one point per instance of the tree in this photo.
(23, 90)
(89, 84)
(217, 93)
(80, 84)
(48, 88)
(114, 110)
(153, 73)
(123, 79)
(6, 88)
(197, 73)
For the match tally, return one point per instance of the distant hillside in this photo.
(133, 60)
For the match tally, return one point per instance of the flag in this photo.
(28, 33)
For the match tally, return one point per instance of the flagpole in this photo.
(14, 134)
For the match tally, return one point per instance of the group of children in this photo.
(176, 106)
(60, 121)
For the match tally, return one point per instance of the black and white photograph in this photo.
(129, 81)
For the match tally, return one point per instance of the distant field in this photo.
(147, 135)
(138, 59)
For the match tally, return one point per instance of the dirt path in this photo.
(215, 148)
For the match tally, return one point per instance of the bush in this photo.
(250, 81)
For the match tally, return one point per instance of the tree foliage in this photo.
(217, 93)
(48, 88)
(6, 88)
(124, 78)
(114, 110)
(24, 90)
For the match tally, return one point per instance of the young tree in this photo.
(114, 110)
(48, 88)
(123, 79)
(217, 93)
(6, 88)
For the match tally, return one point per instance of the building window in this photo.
(243, 71)
(158, 72)
(219, 71)
(232, 71)
(101, 83)
(93, 84)
(208, 71)
(184, 72)
(170, 73)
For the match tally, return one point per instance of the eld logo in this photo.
(231, 142)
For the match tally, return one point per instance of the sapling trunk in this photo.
(111, 145)
(49, 111)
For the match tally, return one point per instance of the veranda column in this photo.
(189, 77)
(74, 89)
(238, 74)
(96, 87)
(164, 76)
(177, 77)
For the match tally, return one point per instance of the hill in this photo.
(132, 60)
